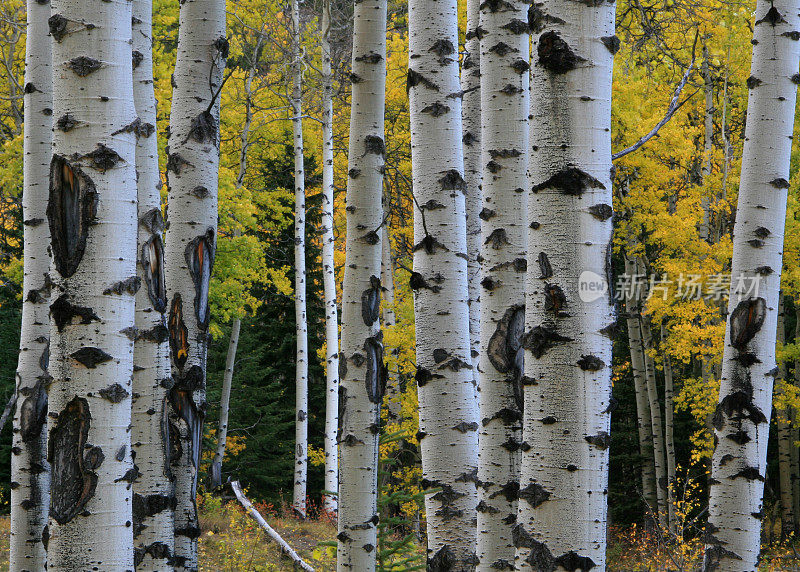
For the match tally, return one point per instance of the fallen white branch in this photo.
(285, 548)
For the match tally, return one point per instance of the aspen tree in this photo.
(785, 441)
(91, 212)
(504, 87)
(741, 420)
(448, 413)
(569, 306)
(192, 169)
(329, 272)
(30, 473)
(362, 370)
(301, 318)
(153, 490)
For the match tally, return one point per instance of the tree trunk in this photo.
(505, 145)
(795, 450)
(569, 307)
(363, 374)
(30, 473)
(153, 527)
(473, 171)
(92, 217)
(233, 342)
(192, 168)
(301, 319)
(742, 417)
(708, 148)
(331, 502)
(669, 434)
(448, 414)
(394, 397)
(656, 420)
(633, 313)
(785, 439)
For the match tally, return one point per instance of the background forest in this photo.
(674, 202)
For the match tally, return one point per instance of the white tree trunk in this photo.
(448, 414)
(473, 170)
(563, 494)
(704, 230)
(669, 435)
(394, 395)
(656, 419)
(192, 168)
(329, 272)
(633, 313)
(505, 104)
(741, 421)
(30, 473)
(153, 490)
(92, 216)
(362, 370)
(301, 319)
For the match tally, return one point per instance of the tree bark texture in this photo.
(741, 420)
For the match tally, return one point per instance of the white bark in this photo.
(656, 419)
(473, 170)
(30, 473)
(301, 319)
(363, 374)
(633, 313)
(741, 421)
(393, 399)
(564, 476)
(192, 168)
(448, 413)
(505, 104)
(153, 490)
(329, 273)
(785, 439)
(669, 435)
(704, 230)
(285, 548)
(92, 217)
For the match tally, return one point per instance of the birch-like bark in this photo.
(567, 382)
(633, 312)
(393, 399)
(669, 435)
(473, 170)
(153, 490)
(796, 436)
(91, 212)
(704, 230)
(362, 370)
(448, 414)
(656, 419)
(505, 104)
(785, 440)
(30, 472)
(192, 169)
(301, 319)
(233, 342)
(741, 420)
(331, 503)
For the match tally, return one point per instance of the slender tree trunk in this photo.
(656, 420)
(393, 398)
(329, 272)
(505, 145)
(669, 434)
(153, 490)
(233, 342)
(795, 450)
(473, 171)
(448, 414)
(301, 319)
(568, 306)
(742, 417)
(30, 472)
(192, 167)
(363, 374)
(92, 217)
(643, 420)
(785, 438)
(708, 147)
